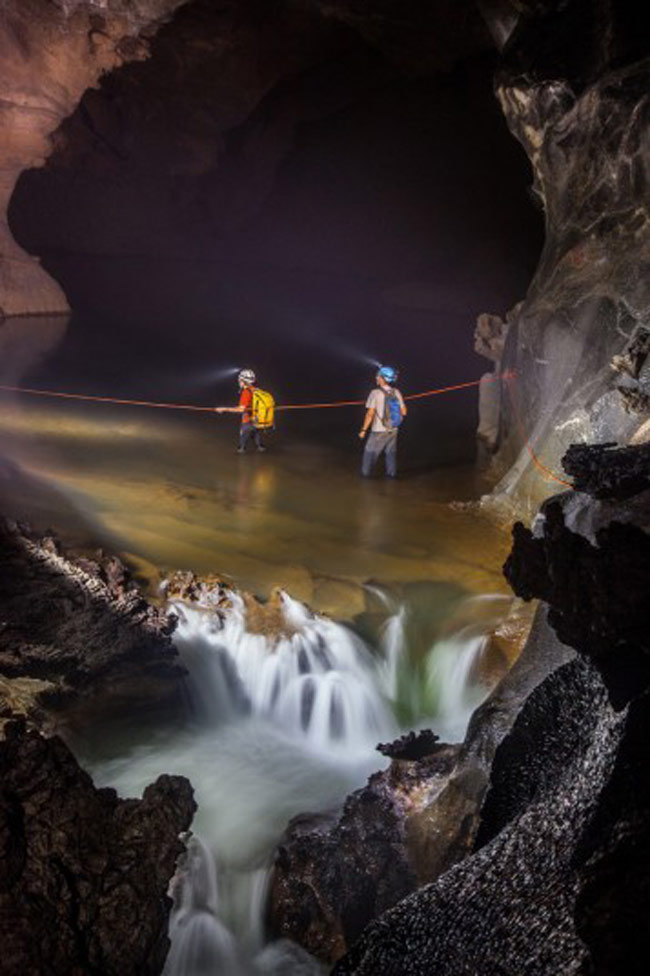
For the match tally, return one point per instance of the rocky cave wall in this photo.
(557, 879)
(51, 51)
(294, 136)
(573, 86)
(84, 875)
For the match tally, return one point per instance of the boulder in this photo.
(85, 874)
(556, 880)
(335, 872)
(82, 629)
(50, 52)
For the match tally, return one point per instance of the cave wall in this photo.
(213, 146)
(573, 87)
(50, 53)
(557, 881)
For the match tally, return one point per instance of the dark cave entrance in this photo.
(271, 179)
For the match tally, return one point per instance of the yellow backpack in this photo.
(263, 409)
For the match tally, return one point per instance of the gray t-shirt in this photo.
(377, 400)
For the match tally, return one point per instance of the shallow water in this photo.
(276, 727)
(170, 489)
(272, 731)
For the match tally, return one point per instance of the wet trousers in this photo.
(249, 432)
(379, 442)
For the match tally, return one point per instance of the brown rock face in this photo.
(333, 874)
(51, 51)
(573, 88)
(79, 631)
(84, 878)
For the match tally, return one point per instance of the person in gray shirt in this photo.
(385, 410)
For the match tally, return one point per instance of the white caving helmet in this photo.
(246, 377)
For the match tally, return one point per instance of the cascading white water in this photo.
(317, 681)
(200, 942)
(454, 688)
(393, 645)
(449, 670)
(283, 724)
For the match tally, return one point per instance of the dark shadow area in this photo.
(296, 200)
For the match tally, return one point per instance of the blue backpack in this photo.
(392, 411)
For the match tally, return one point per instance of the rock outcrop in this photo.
(84, 879)
(509, 908)
(605, 471)
(80, 631)
(573, 87)
(558, 878)
(51, 51)
(589, 563)
(333, 874)
(409, 825)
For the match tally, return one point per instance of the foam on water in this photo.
(317, 680)
(283, 724)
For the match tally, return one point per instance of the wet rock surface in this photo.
(557, 878)
(510, 906)
(607, 471)
(334, 873)
(594, 587)
(80, 631)
(85, 874)
(573, 87)
(50, 52)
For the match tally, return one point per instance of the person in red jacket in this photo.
(248, 431)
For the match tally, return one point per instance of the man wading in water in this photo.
(250, 411)
(385, 410)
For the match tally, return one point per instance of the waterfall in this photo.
(200, 944)
(283, 723)
(316, 680)
(453, 687)
(393, 646)
(288, 722)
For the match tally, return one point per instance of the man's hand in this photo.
(362, 434)
(218, 409)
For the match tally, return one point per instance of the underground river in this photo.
(389, 593)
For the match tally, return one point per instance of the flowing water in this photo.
(280, 725)
(277, 724)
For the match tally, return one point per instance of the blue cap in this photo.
(388, 373)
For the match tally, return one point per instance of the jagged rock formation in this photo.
(575, 76)
(589, 574)
(80, 632)
(606, 472)
(51, 51)
(508, 908)
(334, 874)
(84, 874)
(558, 880)
(408, 826)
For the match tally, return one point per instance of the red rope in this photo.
(509, 377)
(188, 406)
(98, 399)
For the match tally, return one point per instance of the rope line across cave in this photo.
(509, 377)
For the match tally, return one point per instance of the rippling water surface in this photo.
(409, 584)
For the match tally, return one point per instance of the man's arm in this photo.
(367, 420)
(237, 409)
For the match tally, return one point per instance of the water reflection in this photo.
(171, 489)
